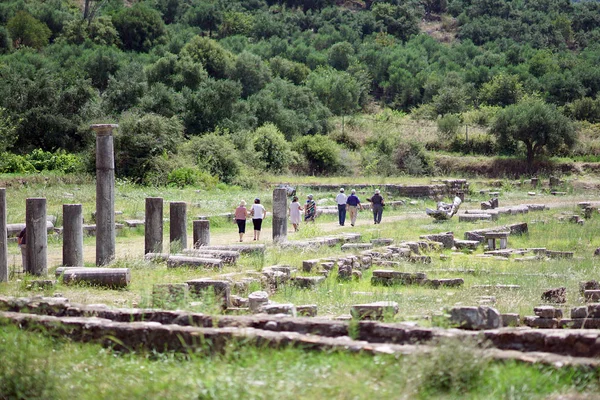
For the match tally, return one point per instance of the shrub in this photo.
(321, 153)
(478, 144)
(57, 161)
(191, 176)
(412, 159)
(26, 30)
(214, 154)
(272, 148)
(447, 126)
(13, 163)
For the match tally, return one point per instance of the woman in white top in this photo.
(295, 209)
(258, 213)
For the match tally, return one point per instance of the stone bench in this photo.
(491, 238)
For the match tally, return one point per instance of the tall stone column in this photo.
(280, 208)
(201, 233)
(37, 236)
(3, 238)
(105, 194)
(178, 224)
(153, 226)
(72, 235)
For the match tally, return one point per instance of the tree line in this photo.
(258, 81)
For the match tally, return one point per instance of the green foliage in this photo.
(100, 31)
(140, 27)
(412, 158)
(5, 42)
(8, 130)
(338, 90)
(214, 58)
(272, 148)
(290, 70)
(251, 72)
(340, 55)
(28, 31)
(321, 153)
(39, 160)
(401, 21)
(191, 176)
(448, 126)
(502, 90)
(215, 154)
(125, 88)
(585, 109)
(536, 124)
(140, 139)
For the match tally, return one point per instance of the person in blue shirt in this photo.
(353, 205)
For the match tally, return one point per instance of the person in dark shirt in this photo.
(353, 205)
(377, 206)
(22, 240)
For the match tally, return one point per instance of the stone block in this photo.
(541, 323)
(588, 285)
(374, 311)
(238, 301)
(390, 277)
(466, 244)
(474, 217)
(510, 319)
(356, 275)
(287, 309)
(382, 242)
(580, 323)
(221, 289)
(579, 312)
(446, 239)
(559, 254)
(591, 295)
(309, 265)
(593, 310)
(307, 282)
(556, 295)
(452, 282)
(420, 259)
(309, 310)
(475, 318)
(548, 312)
(356, 246)
(256, 300)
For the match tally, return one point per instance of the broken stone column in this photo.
(153, 228)
(201, 233)
(178, 225)
(72, 235)
(256, 300)
(105, 194)
(37, 236)
(280, 215)
(3, 238)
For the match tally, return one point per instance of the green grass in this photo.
(35, 366)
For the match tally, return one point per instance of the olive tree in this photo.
(536, 124)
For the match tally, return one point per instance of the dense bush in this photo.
(39, 160)
(272, 148)
(412, 158)
(321, 153)
(191, 176)
(215, 154)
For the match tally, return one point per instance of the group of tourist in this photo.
(346, 205)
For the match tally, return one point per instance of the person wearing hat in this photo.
(353, 205)
(240, 215)
(310, 209)
(258, 213)
(377, 206)
(341, 202)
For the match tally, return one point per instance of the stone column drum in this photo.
(201, 233)
(280, 208)
(3, 238)
(37, 236)
(105, 194)
(153, 226)
(178, 224)
(72, 235)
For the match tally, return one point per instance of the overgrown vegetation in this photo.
(215, 66)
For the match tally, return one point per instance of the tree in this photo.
(25, 30)
(214, 58)
(538, 125)
(502, 90)
(140, 27)
(272, 148)
(251, 72)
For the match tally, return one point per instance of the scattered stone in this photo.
(510, 320)
(579, 312)
(345, 272)
(499, 287)
(437, 283)
(356, 275)
(475, 318)
(559, 254)
(447, 239)
(328, 266)
(287, 309)
(542, 323)
(356, 246)
(221, 289)
(307, 282)
(309, 265)
(588, 285)
(382, 242)
(134, 223)
(466, 244)
(238, 301)
(597, 252)
(591, 295)
(548, 312)
(309, 310)
(374, 311)
(256, 300)
(417, 259)
(474, 217)
(556, 295)
(390, 277)
(186, 261)
(531, 194)
(486, 300)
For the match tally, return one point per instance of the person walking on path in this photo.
(241, 213)
(341, 202)
(22, 241)
(310, 210)
(295, 209)
(258, 213)
(353, 205)
(377, 206)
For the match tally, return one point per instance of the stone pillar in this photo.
(72, 235)
(153, 226)
(201, 233)
(280, 208)
(178, 224)
(3, 238)
(37, 236)
(105, 194)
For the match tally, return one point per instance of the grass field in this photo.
(55, 368)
